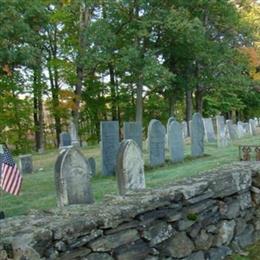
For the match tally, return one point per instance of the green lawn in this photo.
(38, 191)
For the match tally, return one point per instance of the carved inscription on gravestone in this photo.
(109, 146)
(156, 143)
(72, 178)
(130, 167)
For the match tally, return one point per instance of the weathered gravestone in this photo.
(222, 135)
(240, 129)
(130, 167)
(232, 130)
(170, 119)
(65, 140)
(197, 136)
(156, 143)
(26, 163)
(92, 164)
(176, 142)
(184, 129)
(109, 146)
(74, 134)
(252, 125)
(72, 178)
(133, 130)
(210, 135)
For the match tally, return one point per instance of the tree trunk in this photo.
(113, 92)
(188, 108)
(139, 103)
(199, 100)
(172, 103)
(38, 112)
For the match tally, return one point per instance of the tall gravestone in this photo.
(240, 129)
(109, 146)
(176, 142)
(65, 140)
(156, 143)
(74, 134)
(222, 138)
(210, 135)
(133, 130)
(170, 119)
(232, 130)
(72, 178)
(130, 167)
(184, 129)
(26, 164)
(252, 125)
(197, 136)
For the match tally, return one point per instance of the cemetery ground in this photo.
(38, 190)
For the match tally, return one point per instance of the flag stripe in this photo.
(11, 179)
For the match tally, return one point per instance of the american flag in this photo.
(10, 177)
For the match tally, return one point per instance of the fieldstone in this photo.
(130, 167)
(137, 250)
(175, 142)
(109, 131)
(225, 233)
(210, 135)
(247, 237)
(25, 164)
(156, 143)
(79, 253)
(245, 200)
(196, 256)
(203, 241)
(109, 242)
(133, 130)
(197, 136)
(158, 232)
(179, 245)
(99, 256)
(240, 226)
(218, 253)
(72, 178)
(230, 210)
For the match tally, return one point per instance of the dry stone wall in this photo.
(205, 217)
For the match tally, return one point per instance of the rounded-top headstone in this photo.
(197, 136)
(130, 167)
(176, 142)
(72, 178)
(156, 143)
(25, 163)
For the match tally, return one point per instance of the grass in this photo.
(38, 191)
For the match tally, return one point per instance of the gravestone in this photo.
(252, 125)
(74, 135)
(92, 164)
(240, 129)
(256, 121)
(156, 143)
(210, 135)
(176, 142)
(170, 119)
(65, 140)
(232, 130)
(222, 135)
(25, 163)
(184, 129)
(72, 178)
(133, 130)
(197, 136)
(130, 167)
(109, 146)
